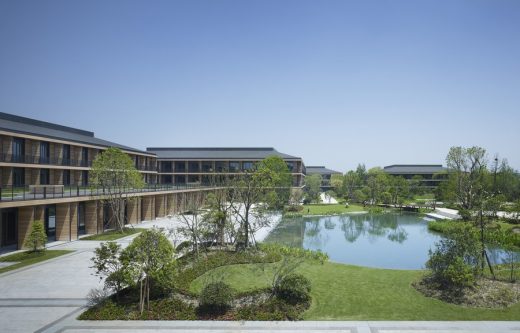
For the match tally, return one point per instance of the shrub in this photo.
(459, 274)
(37, 238)
(215, 297)
(294, 288)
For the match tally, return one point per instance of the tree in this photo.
(416, 185)
(148, 257)
(218, 215)
(37, 238)
(192, 222)
(114, 173)
(377, 182)
(338, 184)
(351, 182)
(467, 168)
(313, 187)
(399, 189)
(276, 180)
(107, 263)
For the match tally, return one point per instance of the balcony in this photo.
(39, 192)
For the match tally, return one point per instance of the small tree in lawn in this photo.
(113, 173)
(192, 222)
(148, 257)
(37, 238)
(313, 187)
(218, 215)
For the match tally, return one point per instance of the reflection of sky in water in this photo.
(399, 241)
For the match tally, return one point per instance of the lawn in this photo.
(29, 258)
(334, 209)
(113, 234)
(345, 292)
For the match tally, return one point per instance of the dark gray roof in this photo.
(414, 168)
(17, 124)
(320, 170)
(208, 153)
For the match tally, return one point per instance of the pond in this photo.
(389, 240)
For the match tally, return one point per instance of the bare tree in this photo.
(191, 218)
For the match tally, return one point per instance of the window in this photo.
(246, 166)
(166, 179)
(84, 156)
(234, 166)
(50, 223)
(221, 166)
(136, 162)
(18, 154)
(207, 166)
(180, 180)
(66, 177)
(81, 218)
(193, 179)
(166, 166)
(180, 166)
(18, 176)
(290, 165)
(44, 177)
(45, 152)
(84, 178)
(193, 166)
(66, 155)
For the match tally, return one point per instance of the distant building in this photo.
(181, 165)
(432, 174)
(326, 175)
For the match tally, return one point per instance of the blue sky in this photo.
(335, 82)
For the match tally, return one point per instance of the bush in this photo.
(459, 274)
(294, 288)
(37, 238)
(215, 297)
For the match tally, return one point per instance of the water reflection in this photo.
(392, 240)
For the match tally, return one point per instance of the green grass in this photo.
(333, 209)
(344, 292)
(113, 234)
(29, 258)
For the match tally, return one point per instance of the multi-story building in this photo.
(431, 175)
(326, 175)
(44, 175)
(204, 165)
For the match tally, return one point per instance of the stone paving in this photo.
(48, 297)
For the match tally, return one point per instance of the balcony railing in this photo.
(42, 160)
(39, 192)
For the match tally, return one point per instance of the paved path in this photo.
(47, 297)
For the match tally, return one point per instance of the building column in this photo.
(131, 210)
(25, 222)
(63, 222)
(73, 221)
(160, 206)
(7, 176)
(91, 217)
(147, 205)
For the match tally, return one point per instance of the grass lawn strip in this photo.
(345, 292)
(29, 258)
(113, 234)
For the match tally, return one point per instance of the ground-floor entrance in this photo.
(9, 229)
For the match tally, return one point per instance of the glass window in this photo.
(180, 166)
(44, 152)
(66, 155)
(84, 178)
(50, 223)
(166, 166)
(84, 156)
(193, 166)
(234, 166)
(18, 153)
(207, 166)
(290, 166)
(44, 177)
(193, 179)
(247, 166)
(221, 166)
(66, 177)
(166, 179)
(18, 176)
(180, 179)
(81, 218)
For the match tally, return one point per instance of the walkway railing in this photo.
(39, 192)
